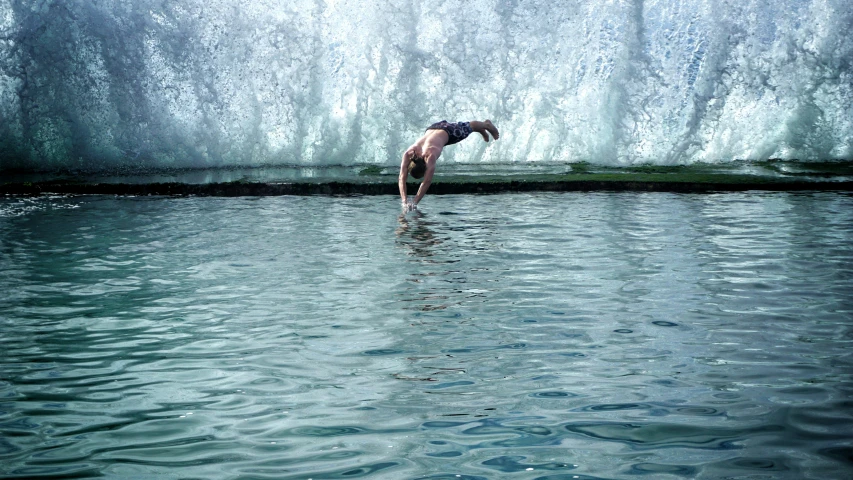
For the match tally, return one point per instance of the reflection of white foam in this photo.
(15, 207)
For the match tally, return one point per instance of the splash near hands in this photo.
(409, 206)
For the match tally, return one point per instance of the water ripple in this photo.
(671, 336)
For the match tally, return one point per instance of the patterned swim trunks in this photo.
(456, 131)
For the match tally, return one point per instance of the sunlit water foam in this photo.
(198, 83)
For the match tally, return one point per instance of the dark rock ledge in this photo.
(707, 183)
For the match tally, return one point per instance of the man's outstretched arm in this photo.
(404, 174)
(425, 183)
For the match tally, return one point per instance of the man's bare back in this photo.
(428, 148)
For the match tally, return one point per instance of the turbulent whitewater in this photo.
(106, 84)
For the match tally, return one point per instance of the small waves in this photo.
(314, 337)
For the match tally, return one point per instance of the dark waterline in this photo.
(781, 176)
(604, 335)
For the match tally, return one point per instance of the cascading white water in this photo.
(103, 84)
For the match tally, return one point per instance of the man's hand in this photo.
(409, 205)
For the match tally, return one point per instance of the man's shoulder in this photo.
(432, 154)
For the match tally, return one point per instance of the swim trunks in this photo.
(456, 131)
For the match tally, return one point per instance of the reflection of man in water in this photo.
(417, 235)
(419, 159)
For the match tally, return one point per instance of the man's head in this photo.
(417, 167)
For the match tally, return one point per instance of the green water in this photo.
(529, 336)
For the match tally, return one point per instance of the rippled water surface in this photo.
(530, 336)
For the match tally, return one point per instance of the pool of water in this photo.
(530, 336)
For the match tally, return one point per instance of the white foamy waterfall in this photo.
(101, 84)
